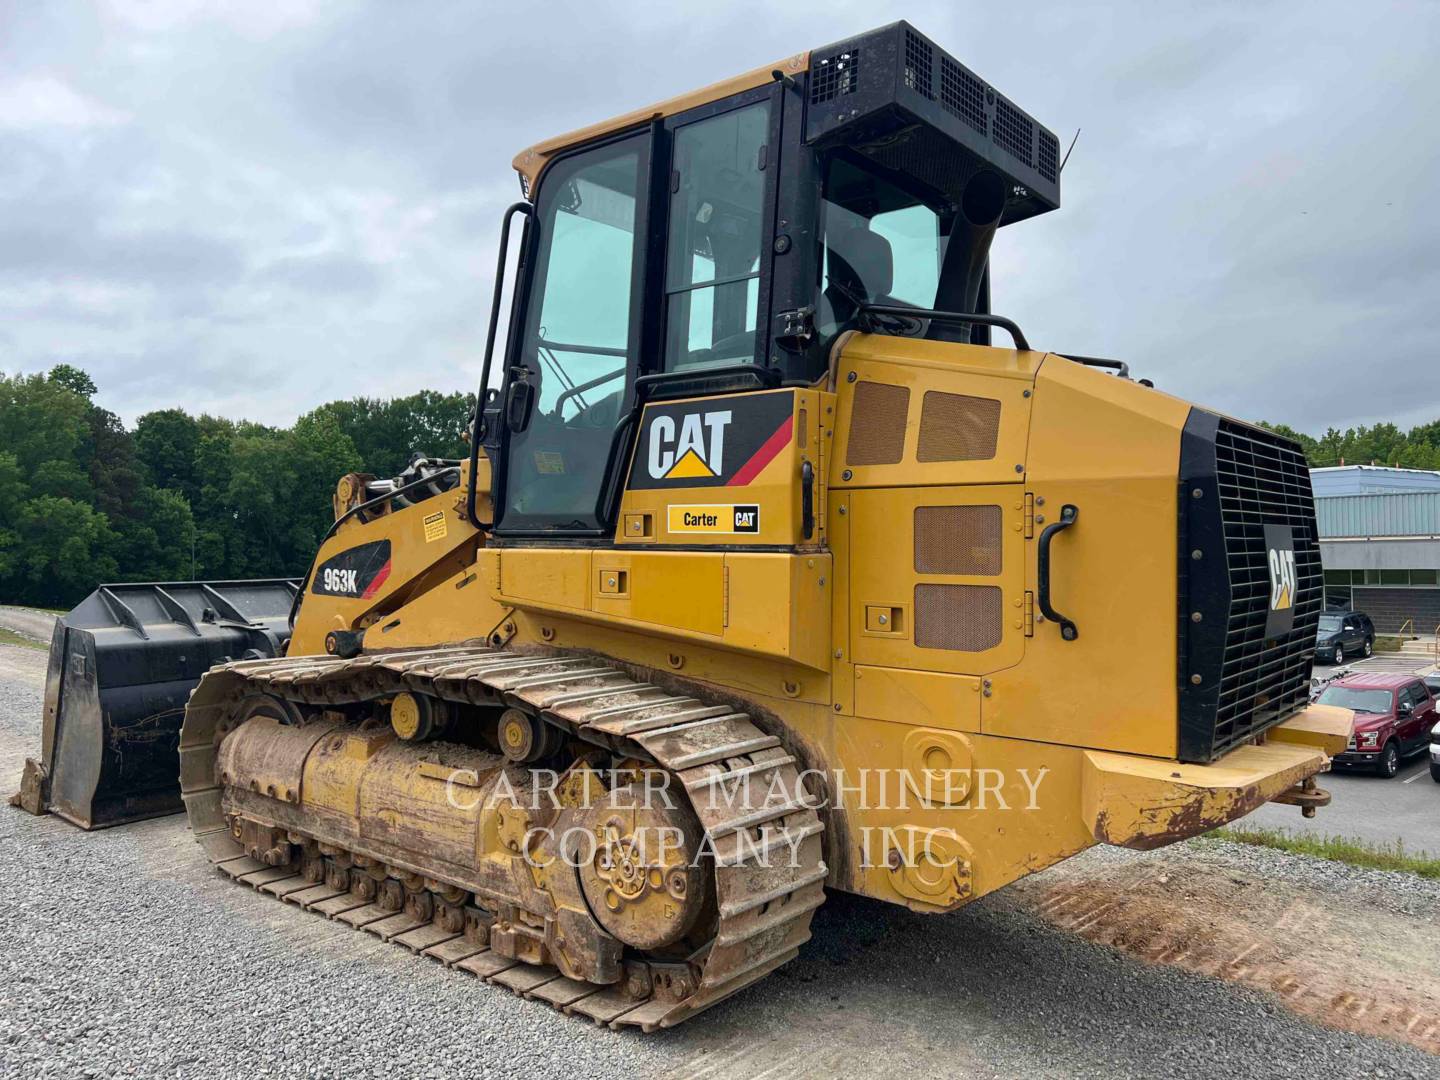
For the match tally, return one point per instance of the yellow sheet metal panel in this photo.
(758, 582)
(1323, 726)
(460, 608)
(684, 590)
(914, 412)
(551, 577)
(367, 569)
(1144, 803)
(725, 471)
(1020, 812)
(770, 603)
(918, 697)
(1111, 448)
(937, 577)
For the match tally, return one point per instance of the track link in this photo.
(765, 906)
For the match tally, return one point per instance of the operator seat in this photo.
(861, 264)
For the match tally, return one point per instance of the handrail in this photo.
(917, 315)
(1436, 646)
(477, 430)
(1401, 632)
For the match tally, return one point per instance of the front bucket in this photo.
(122, 665)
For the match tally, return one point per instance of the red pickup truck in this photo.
(1394, 715)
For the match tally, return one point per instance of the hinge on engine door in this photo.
(1029, 516)
(1029, 614)
(724, 595)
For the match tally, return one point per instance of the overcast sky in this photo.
(253, 207)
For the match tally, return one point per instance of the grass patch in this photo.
(1342, 849)
(1388, 642)
(9, 637)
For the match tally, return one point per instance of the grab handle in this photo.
(1068, 515)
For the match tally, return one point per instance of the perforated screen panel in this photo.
(957, 427)
(961, 618)
(957, 540)
(877, 424)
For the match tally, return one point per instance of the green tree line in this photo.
(86, 500)
(1383, 444)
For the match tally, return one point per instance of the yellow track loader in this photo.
(768, 573)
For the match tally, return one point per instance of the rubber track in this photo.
(765, 906)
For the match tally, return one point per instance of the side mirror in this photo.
(1349, 626)
(519, 399)
(1406, 707)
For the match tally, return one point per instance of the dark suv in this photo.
(1394, 715)
(1344, 634)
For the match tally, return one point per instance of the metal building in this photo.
(1380, 543)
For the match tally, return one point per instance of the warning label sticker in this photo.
(435, 526)
(720, 518)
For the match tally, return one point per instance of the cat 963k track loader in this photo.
(768, 572)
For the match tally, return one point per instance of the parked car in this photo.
(1394, 718)
(1343, 634)
(1435, 755)
(1433, 682)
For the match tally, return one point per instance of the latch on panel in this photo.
(614, 582)
(884, 619)
(1029, 515)
(1029, 614)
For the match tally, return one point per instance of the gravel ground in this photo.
(36, 625)
(122, 953)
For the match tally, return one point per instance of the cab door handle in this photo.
(1069, 513)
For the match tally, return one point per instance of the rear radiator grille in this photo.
(1264, 479)
(1247, 682)
(877, 424)
(957, 540)
(962, 618)
(957, 427)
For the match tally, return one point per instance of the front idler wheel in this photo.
(644, 879)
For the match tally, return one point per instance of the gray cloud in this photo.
(252, 209)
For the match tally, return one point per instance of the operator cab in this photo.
(724, 240)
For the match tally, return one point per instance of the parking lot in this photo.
(1366, 807)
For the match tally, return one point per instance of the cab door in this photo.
(571, 377)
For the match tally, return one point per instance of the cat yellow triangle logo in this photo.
(1284, 601)
(689, 466)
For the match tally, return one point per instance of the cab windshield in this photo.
(1330, 622)
(1371, 701)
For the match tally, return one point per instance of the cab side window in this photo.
(717, 217)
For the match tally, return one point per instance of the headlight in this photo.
(1369, 740)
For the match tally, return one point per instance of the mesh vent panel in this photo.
(1047, 155)
(834, 76)
(918, 65)
(877, 424)
(1014, 131)
(963, 618)
(962, 94)
(957, 540)
(957, 427)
